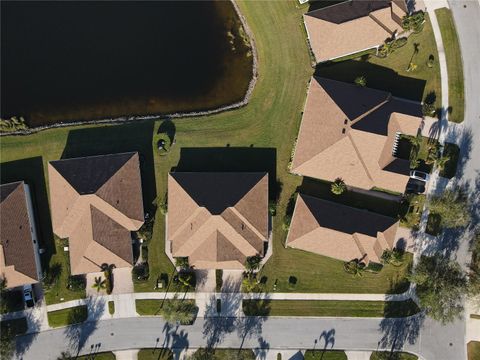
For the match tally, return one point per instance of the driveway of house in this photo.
(122, 281)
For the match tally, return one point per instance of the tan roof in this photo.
(340, 231)
(96, 202)
(348, 131)
(217, 220)
(17, 254)
(351, 26)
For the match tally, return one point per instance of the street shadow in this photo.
(464, 141)
(78, 335)
(31, 171)
(378, 77)
(232, 159)
(111, 139)
(261, 351)
(24, 342)
(174, 339)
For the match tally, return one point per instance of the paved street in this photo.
(432, 342)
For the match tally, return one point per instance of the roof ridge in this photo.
(359, 244)
(235, 235)
(192, 237)
(360, 157)
(189, 220)
(114, 210)
(379, 23)
(116, 172)
(376, 107)
(244, 219)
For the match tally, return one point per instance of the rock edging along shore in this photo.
(132, 118)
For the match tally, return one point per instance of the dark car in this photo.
(29, 295)
(415, 186)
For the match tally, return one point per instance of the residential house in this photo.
(96, 202)
(19, 251)
(217, 220)
(339, 231)
(352, 132)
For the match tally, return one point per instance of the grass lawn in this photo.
(223, 354)
(456, 95)
(257, 137)
(111, 307)
(453, 152)
(16, 326)
(155, 354)
(473, 349)
(325, 355)
(330, 308)
(386, 355)
(98, 356)
(149, 307)
(390, 74)
(68, 316)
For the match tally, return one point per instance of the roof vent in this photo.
(345, 122)
(343, 131)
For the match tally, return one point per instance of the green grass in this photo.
(111, 307)
(456, 96)
(260, 137)
(453, 152)
(473, 349)
(149, 307)
(68, 316)
(16, 326)
(223, 354)
(59, 291)
(330, 308)
(325, 355)
(155, 354)
(390, 74)
(98, 356)
(411, 211)
(386, 355)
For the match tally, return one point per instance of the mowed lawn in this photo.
(257, 137)
(456, 96)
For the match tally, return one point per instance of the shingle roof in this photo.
(17, 255)
(96, 202)
(340, 231)
(217, 219)
(348, 131)
(352, 26)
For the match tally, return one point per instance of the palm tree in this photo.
(354, 267)
(100, 284)
(442, 162)
(252, 263)
(338, 186)
(178, 311)
(361, 81)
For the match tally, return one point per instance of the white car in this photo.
(28, 295)
(419, 175)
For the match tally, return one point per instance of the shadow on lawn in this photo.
(31, 171)
(104, 140)
(378, 77)
(232, 159)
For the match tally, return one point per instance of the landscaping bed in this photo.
(65, 317)
(387, 355)
(325, 355)
(329, 308)
(223, 354)
(98, 356)
(456, 88)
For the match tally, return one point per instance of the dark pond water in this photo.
(88, 60)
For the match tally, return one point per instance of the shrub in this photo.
(428, 109)
(390, 46)
(108, 280)
(393, 257)
(272, 208)
(218, 279)
(338, 186)
(76, 282)
(292, 282)
(430, 61)
(182, 263)
(253, 263)
(146, 231)
(187, 279)
(141, 272)
(414, 22)
(374, 267)
(354, 267)
(13, 124)
(286, 222)
(163, 144)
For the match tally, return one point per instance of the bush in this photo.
(108, 280)
(13, 124)
(430, 61)
(338, 186)
(218, 279)
(144, 250)
(163, 144)
(390, 46)
(182, 263)
(76, 282)
(141, 272)
(361, 81)
(146, 231)
(414, 22)
(428, 109)
(374, 267)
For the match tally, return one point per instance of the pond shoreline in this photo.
(176, 115)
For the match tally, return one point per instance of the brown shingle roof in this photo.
(17, 254)
(340, 231)
(217, 219)
(348, 131)
(97, 217)
(351, 26)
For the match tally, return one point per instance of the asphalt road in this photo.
(432, 341)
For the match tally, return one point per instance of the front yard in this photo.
(65, 317)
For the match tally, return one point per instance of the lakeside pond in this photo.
(74, 61)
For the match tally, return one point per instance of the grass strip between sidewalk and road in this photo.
(333, 308)
(321, 354)
(473, 350)
(98, 356)
(15, 326)
(456, 88)
(381, 355)
(155, 354)
(151, 307)
(65, 317)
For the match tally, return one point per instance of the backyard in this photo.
(257, 137)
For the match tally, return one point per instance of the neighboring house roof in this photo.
(96, 202)
(339, 231)
(17, 254)
(217, 220)
(352, 26)
(348, 131)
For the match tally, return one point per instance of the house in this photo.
(352, 132)
(339, 231)
(19, 252)
(353, 26)
(217, 220)
(96, 202)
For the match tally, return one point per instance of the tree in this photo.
(453, 208)
(99, 284)
(361, 81)
(393, 257)
(338, 186)
(253, 263)
(474, 274)
(441, 284)
(178, 311)
(354, 267)
(442, 162)
(7, 344)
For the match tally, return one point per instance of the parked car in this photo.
(415, 186)
(29, 295)
(419, 175)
